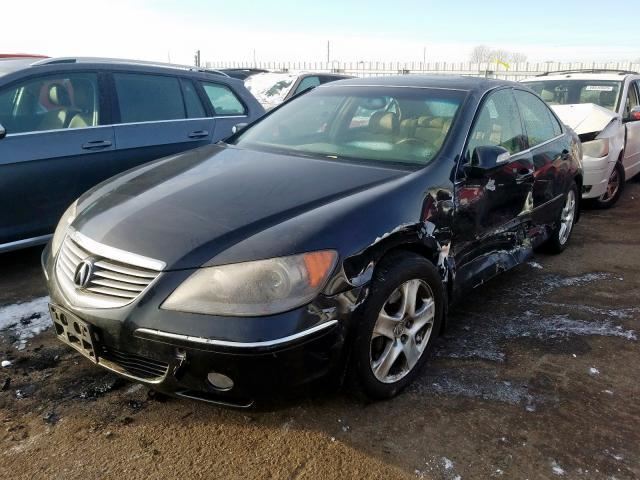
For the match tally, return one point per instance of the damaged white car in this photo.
(603, 108)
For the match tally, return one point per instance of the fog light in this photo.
(220, 381)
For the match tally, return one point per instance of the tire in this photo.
(559, 239)
(396, 275)
(614, 188)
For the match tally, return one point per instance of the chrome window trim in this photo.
(116, 254)
(27, 242)
(225, 343)
(36, 132)
(333, 85)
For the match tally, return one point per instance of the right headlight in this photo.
(596, 148)
(63, 225)
(262, 287)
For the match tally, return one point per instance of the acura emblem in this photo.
(83, 273)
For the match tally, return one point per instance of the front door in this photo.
(55, 149)
(487, 226)
(631, 159)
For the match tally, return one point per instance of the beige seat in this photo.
(383, 126)
(429, 130)
(85, 102)
(548, 96)
(57, 118)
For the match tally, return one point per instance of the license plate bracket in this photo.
(74, 331)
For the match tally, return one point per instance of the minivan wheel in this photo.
(614, 188)
(397, 325)
(566, 220)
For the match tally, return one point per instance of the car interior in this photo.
(50, 104)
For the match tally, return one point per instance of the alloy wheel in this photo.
(612, 187)
(567, 216)
(402, 331)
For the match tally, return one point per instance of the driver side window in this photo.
(498, 124)
(631, 101)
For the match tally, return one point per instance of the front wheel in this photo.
(566, 220)
(614, 188)
(397, 324)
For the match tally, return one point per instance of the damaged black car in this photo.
(327, 237)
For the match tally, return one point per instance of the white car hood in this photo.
(270, 88)
(585, 117)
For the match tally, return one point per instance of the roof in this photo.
(426, 81)
(603, 75)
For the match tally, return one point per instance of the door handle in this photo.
(199, 134)
(96, 145)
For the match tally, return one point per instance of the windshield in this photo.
(561, 92)
(270, 88)
(381, 124)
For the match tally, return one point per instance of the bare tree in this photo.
(484, 54)
(480, 54)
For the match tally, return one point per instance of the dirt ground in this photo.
(537, 377)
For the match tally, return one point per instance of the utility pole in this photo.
(255, 64)
(196, 58)
(328, 51)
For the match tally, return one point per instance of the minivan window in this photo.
(223, 100)
(307, 82)
(52, 102)
(148, 98)
(538, 120)
(378, 124)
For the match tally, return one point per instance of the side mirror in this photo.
(3, 132)
(237, 127)
(485, 158)
(634, 114)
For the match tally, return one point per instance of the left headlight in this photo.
(63, 225)
(262, 287)
(596, 148)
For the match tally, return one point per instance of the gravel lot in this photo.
(537, 377)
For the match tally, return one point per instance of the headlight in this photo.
(63, 225)
(263, 287)
(596, 148)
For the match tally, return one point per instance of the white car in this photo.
(273, 88)
(603, 108)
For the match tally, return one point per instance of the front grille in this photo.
(136, 365)
(111, 283)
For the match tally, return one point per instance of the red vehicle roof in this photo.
(21, 55)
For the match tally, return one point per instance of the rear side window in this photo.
(306, 83)
(223, 100)
(148, 98)
(539, 122)
(53, 102)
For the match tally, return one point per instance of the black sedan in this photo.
(327, 237)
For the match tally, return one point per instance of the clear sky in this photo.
(374, 30)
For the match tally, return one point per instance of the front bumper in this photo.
(596, 175)
(174, 352)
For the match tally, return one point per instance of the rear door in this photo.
(550, 150)
(631, 159)
(156, 115)
(57, 146)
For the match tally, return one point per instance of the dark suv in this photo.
(67, 124)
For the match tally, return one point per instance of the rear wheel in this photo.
(398, 323)
(566, 220)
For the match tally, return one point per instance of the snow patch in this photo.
(535, 265)
(5, 363)
(448, 464)
(21, 321)
(594, 371)
(557, 469)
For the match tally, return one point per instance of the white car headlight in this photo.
(262, 287)
(63, 225)
(596, 148)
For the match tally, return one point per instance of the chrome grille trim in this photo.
(116, 280)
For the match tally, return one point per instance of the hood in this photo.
(186, 209)
(585, 117)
